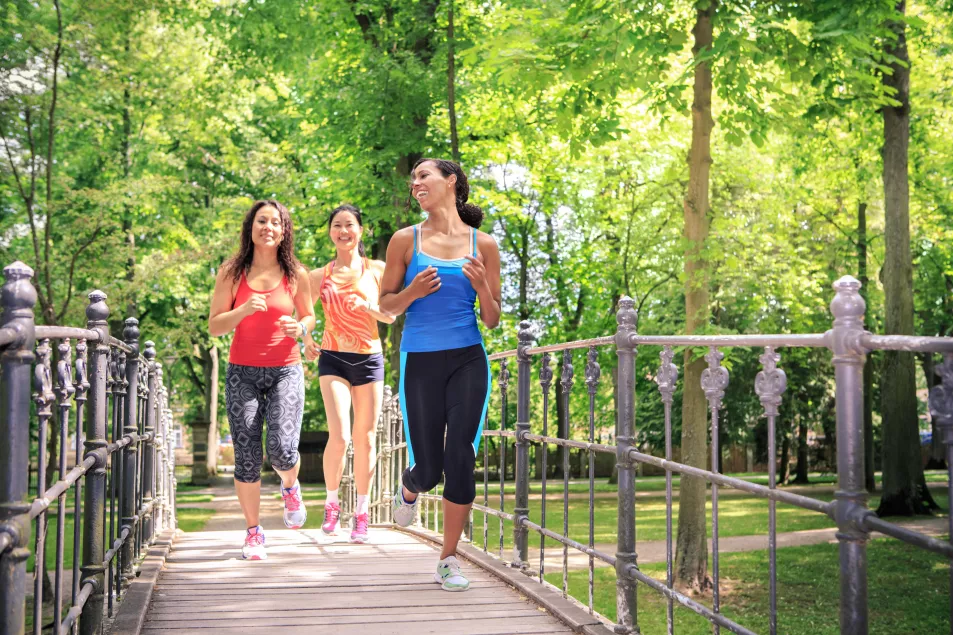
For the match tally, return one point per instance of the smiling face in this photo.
(431, 188)
(266, 228)
(345, 230)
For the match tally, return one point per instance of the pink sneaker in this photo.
(332, 511)
(295, 513)
(254, 547)
(359, 533)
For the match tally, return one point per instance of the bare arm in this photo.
(222, 317)
(394, 300)
(375, 309)
(484, 274)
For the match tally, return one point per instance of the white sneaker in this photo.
(404, 513)
(254, 547)
(449, 576)
(295, 513)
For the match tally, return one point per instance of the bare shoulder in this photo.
(486, 243)
(403, 237)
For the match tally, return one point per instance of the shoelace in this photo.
(255, 540)
(292, 501)
(360, 524)
(454, 569)
(331, 514)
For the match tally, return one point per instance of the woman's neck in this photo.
(264, 258)
(350, 258)
(445, 220)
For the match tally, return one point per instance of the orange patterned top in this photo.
(345, 330)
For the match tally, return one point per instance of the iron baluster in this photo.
(17, 298)
(64, 391)
(770, 384)
(545, 382)
(626, 593)
(521, 505)
(667, 378)
(566, 381)
(96, 445)
(941, 409)
(43, 397)
(714, 380)
(504, 385)
(850, 499)
(81, 384)
(593, 372)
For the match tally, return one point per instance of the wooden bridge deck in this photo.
(309, 583)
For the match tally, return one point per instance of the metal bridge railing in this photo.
(850, 345)
(121, 474)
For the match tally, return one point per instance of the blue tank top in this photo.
(444, 319)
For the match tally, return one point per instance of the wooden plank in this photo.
(384, 588)
(303, 617)
(502, 626)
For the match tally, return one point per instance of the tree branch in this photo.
(72, 268)
(195, 378)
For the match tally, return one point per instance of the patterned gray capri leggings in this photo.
(254, 394)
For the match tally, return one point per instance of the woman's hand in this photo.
(255, 304)
(311, 349)
(289, 326)
(476, 272)
(358, 304)
(424, 283)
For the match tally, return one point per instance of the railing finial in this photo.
(97, 312)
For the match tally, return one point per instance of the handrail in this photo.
(848, 344)
(114, 402)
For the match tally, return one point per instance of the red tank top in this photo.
(259, 341)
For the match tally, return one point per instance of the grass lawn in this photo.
(554, 486)
(908, 591)
(181, 499)
(737, 516)
(191, 519)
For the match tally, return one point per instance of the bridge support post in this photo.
(626, 599)
(521, 504)
(130, 453)
(851, 496)
(94, 504)
(149, 449)
(18, 299)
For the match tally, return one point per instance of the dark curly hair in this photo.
(241, 262)
(469, 213)
(350, 209)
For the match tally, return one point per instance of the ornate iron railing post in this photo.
(521, 504)
(851, 496)
(386, 463)
(95, 501)
(625, 423)
(941, 409)
(17, 298)
(149, 449)
(130, 453)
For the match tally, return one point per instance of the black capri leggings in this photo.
(254, 394)
(444, 393)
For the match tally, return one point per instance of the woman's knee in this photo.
(421, 479)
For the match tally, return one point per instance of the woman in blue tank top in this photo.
(435, 272)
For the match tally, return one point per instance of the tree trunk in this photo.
(210, 367)
(870, 482)
(451, 79)
(902, 467)
(802, 457)
(691, 552)
(785, 466)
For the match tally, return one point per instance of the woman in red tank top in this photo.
(257, 292)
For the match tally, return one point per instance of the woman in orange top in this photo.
(256, 292)
(351, 364)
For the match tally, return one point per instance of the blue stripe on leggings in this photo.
(403, 410)
(486, 404)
